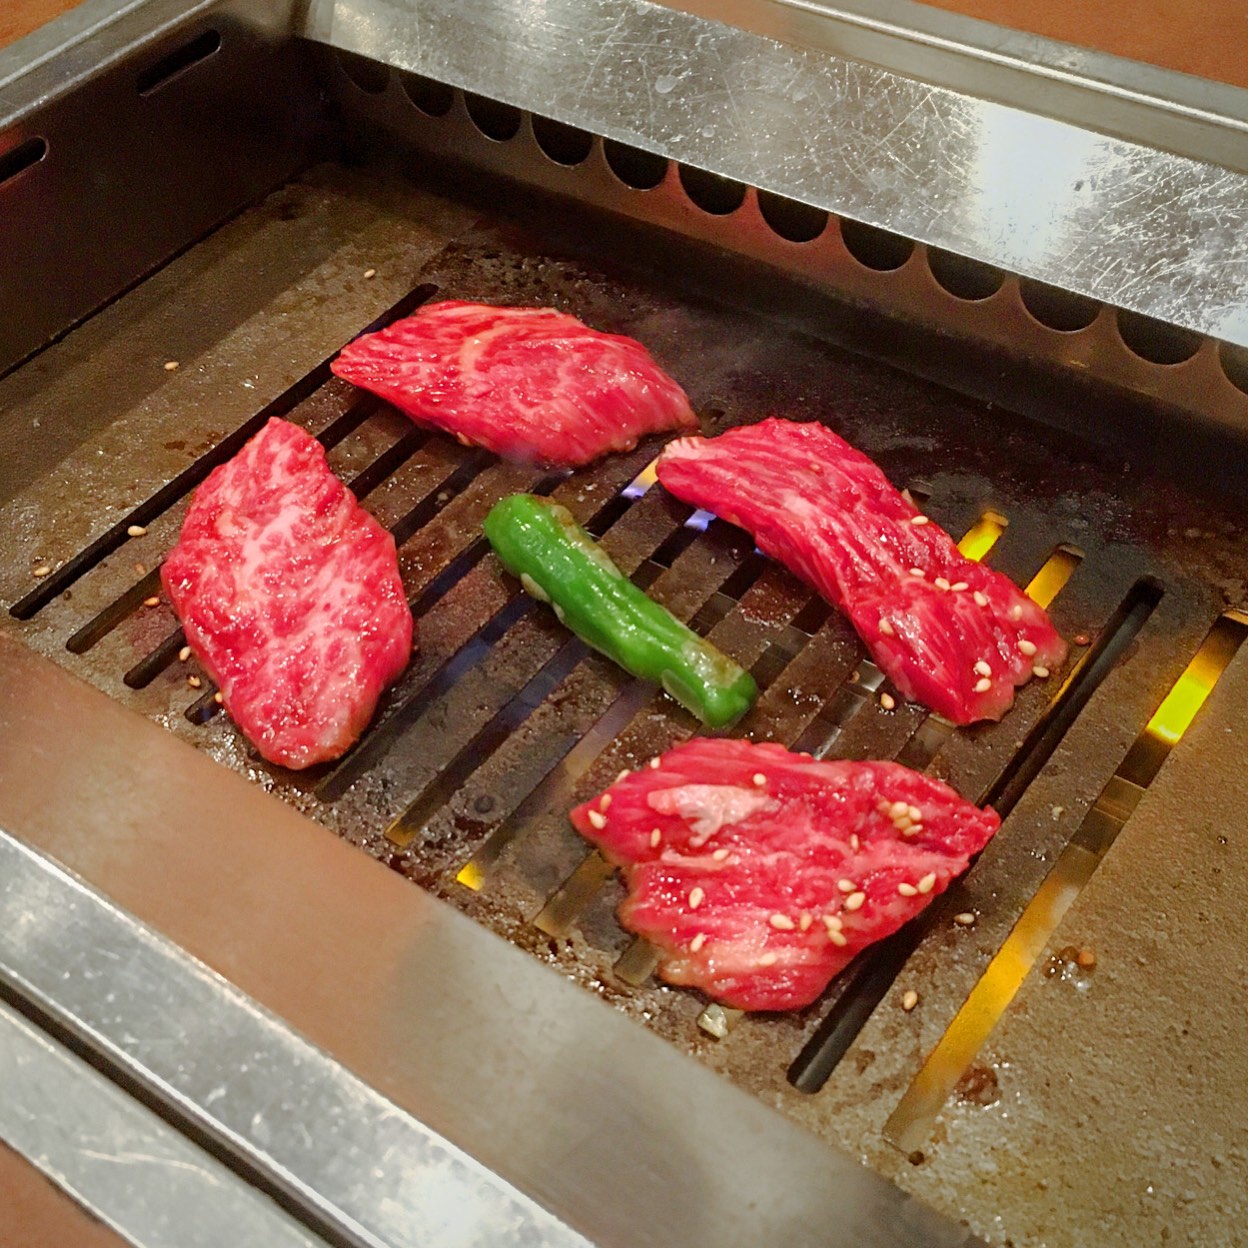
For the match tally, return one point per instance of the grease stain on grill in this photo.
(979, 1086)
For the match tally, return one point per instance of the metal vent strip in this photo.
(1050, 327)
(1070, 219)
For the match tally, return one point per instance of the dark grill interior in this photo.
(503, 720)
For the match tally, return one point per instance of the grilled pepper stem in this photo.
(558, 562)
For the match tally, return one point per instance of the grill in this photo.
(969, 386)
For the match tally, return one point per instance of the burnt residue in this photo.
(978, 1086)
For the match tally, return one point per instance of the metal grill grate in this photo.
(503, 721)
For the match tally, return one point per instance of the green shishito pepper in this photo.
(559, 563)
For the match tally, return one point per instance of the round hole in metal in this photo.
(496, 121)
(877, 249)
(714, 194)
(791, 219)
(368, 75)
(431, 97)
(564, 144)
(963, 277)
(1058, 309)
(1157, 341)
(1234, 360)
(643, 171)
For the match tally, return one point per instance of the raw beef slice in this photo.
(947, 631)
(530, 384)
(759, 874)
(290, 596)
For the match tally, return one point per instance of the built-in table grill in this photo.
(998, 1058)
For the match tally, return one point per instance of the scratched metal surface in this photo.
(1160, 234)
(1131, 98)
(119, 1160)
(1111, 1096)
(194, 1041)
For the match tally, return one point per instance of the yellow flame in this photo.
(645, 478)
(471, 876)
(400, 834)
(982, 536)
(910, 1125)
(1058, 568)
(1175, 714)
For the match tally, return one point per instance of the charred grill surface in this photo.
(504, 720)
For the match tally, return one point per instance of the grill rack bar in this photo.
(115, 536)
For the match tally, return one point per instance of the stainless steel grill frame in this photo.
(502, 722)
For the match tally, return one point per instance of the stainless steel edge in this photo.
(350, 1019)
(37, 68)
(1123, 222)
(374, 1173)
(57, 59)
(1158, 106)
(121, 1162)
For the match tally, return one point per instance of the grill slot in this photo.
(178, 62)
(103, 623)
(434, 477)
(20, 158)
(1091, 670)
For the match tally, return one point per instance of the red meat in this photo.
(947, 631)
(529, 384)
(759, 873)
(290, 596)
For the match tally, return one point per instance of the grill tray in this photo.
(503, 722)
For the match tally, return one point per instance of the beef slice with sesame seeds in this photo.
(759, 874)
(947, 631)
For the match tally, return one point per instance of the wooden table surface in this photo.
(20, 17)
(1204, 37)
(1208, 38)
